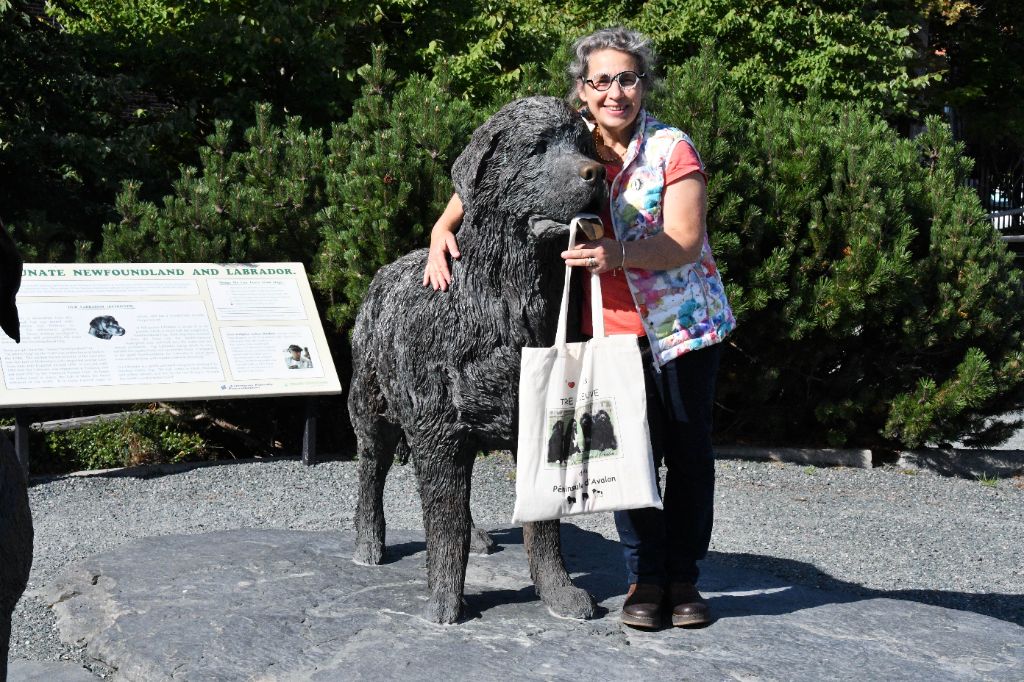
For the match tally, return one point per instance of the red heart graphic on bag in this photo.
(572, 384)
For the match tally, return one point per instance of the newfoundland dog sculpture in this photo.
(436, 374)
(15, 519)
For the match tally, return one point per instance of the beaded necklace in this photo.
(600, 144)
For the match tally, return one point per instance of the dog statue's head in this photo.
(532, 164)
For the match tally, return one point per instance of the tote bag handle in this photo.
(596, 301)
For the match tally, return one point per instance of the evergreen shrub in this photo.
(876, 304)
(255, 202)
(388, 179)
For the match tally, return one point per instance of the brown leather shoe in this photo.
(642, 607)
(688, 607)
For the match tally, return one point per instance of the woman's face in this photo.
(614, 109)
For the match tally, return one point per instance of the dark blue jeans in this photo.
(662, 546)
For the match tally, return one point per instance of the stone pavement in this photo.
(290, 605)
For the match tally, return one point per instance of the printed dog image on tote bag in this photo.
(583, 439)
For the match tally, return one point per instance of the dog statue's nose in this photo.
(592, 172)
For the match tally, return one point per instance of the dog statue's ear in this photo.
(469, 169)
(10, 282)
(545, 228)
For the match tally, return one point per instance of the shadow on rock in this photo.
(397, 552)
(747, 584)
(771, 576)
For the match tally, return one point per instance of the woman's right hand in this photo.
(437, 274)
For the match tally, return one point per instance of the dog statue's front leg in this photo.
(542, 540)
(444, 483)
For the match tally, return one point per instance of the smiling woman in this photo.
(669, 295)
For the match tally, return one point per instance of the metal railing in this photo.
(1009, 221)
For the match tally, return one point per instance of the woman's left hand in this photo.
(598, 256)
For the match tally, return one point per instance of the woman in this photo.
(660, 283)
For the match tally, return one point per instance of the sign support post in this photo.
(309, 432)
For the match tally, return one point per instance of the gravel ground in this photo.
(883, 532)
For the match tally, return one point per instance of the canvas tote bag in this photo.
(584, 445)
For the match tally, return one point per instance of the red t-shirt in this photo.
(620, 315)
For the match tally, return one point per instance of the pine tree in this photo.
(969, 321)
(876, 305)
(258, 202)
(387, 180)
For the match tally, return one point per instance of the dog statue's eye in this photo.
(540, 147)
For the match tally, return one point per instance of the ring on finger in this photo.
(591, 262)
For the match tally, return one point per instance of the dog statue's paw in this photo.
(480, 541)
(569, 601)
(368, 553)
(443, 608)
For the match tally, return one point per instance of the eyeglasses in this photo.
(627, 80)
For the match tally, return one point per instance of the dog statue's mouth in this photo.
(589, 224)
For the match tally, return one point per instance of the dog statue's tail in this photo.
(10, 282)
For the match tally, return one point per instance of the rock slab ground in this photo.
(291, 605)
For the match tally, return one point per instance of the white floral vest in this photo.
(685, 308)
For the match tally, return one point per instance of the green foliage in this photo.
(388, 180)
(130, 23)
(343, 207)
(983, 45)
(107, 92)
(548, 78)
(255, 203)
(148, 438)
(494, 54)
(843, 50)
(988, 481)
(216, 59)
(62, 143)
(711, 112)
(115, 92)
(875, 302)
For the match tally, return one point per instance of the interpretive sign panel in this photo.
(115, 333)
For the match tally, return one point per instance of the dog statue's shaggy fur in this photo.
(15, 518)
(438, 372)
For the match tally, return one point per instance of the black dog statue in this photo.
(436, 374)
(15, 517)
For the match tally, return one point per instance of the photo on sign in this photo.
(271, 352)
(297, 357)
(583, 433)
(105, 327)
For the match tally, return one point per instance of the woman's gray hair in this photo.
(633, 43)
